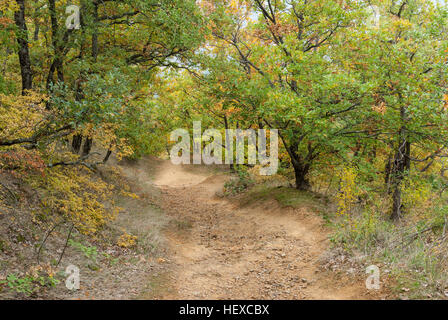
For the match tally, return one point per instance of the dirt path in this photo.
(221, 251)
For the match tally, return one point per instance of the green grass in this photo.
(287, 197)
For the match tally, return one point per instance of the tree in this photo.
(404, 59)
(22, 40)
(288, 52)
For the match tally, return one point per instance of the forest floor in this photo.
(194, 241)
(223, 248)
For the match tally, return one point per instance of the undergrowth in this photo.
(413, 251)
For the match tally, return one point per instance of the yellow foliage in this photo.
(77, 196)
(347, 194)
(8, 5)
(126, 240)
(414, 192)
(130, 195)
(125, 150)
(20, 115)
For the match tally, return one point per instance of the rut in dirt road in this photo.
(257, 252)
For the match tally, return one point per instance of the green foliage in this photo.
(90, 252)
(239, 184)
(110, 259)
(6, 87)
(414, 253)
(367, 101)
(28, 284)
(287, 197)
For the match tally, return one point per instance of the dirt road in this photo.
(219, 250)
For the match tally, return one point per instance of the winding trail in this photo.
(222, 251)
(217, 249)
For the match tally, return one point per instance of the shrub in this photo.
(238, 185)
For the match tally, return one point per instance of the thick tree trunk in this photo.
(24, 54)
(300, 174)
(87, 146)
(76, 143)
(301, 164)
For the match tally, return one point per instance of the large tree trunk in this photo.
(300, 174)
(76, 143)
(87, 146)
(300, 164)
(24, 54)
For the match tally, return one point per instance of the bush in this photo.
(239, 184)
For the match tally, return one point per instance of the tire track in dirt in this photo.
(223, 251)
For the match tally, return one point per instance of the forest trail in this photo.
(220, 250)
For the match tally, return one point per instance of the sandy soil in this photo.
(219, 250)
